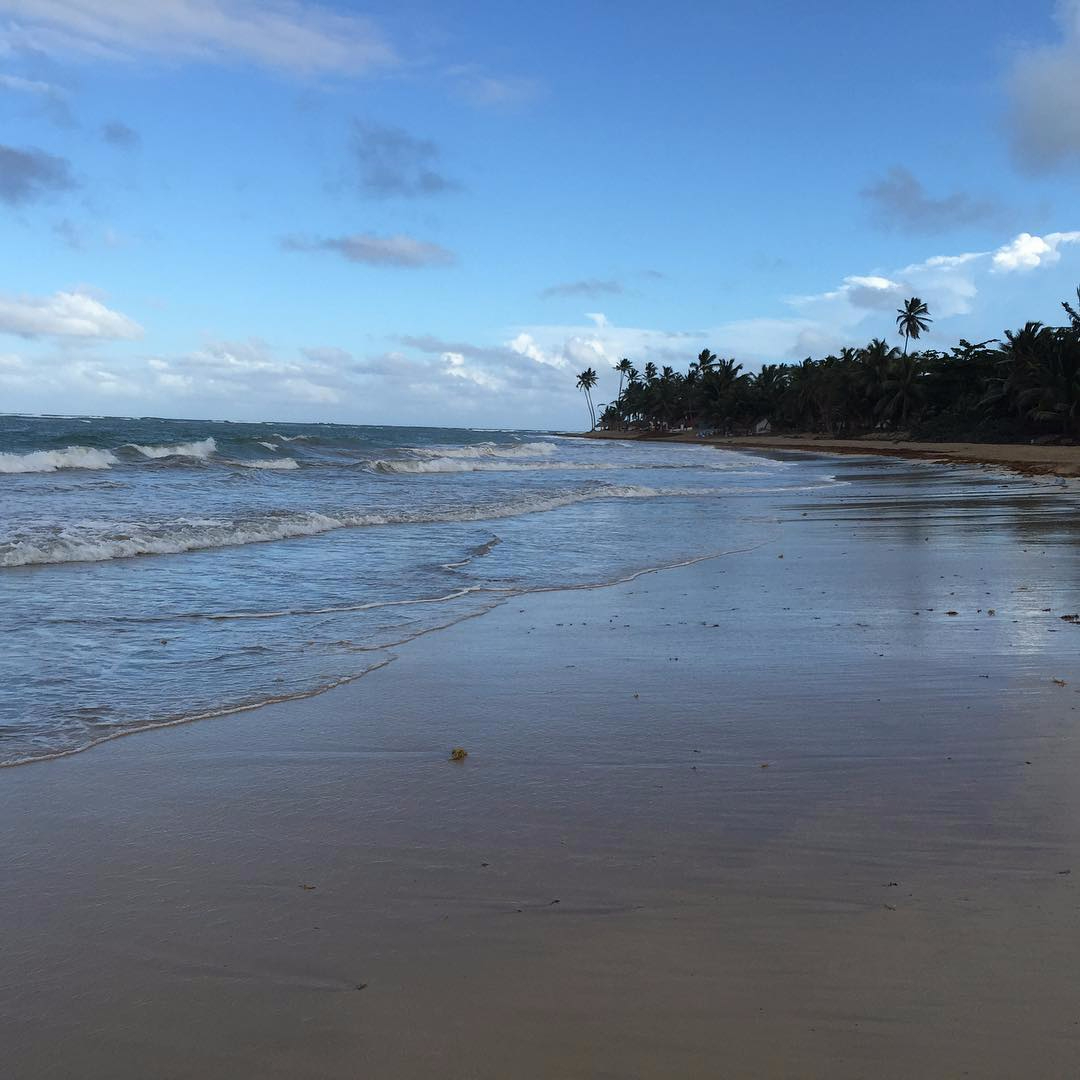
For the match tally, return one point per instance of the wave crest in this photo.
(201, 449)
(283, 464)
(488, 450)
(47, 461)
(174, 538)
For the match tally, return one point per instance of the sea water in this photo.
(154, 571)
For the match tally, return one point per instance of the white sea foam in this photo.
(279, 464)
(268, 445)
(406, 466)
(97, 544)
(47, 461)
(201, 449)
(489, 450)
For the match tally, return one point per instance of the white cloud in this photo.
(27, 86)
(64, 315)
(525, 345)
(283, 34)
(459, 368)
(1026, 252)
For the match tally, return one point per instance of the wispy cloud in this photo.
(64, 315)
(18, 85)
(394, 163)
(29, 174)
(70, 233)
(1044, 88)
(479, 88)
(282, 34)
(118, 134)
(51, 99)
(587, 287)
(391, 251)
(899, 200)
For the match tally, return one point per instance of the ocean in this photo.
(156, 571)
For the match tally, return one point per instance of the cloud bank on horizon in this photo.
(294, 210)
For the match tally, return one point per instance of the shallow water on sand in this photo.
(154, 570)
(610, 883)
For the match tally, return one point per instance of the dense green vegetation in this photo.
(1026, 386)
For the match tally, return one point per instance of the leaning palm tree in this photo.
(912, 319)
(623, 367)
(585, 383)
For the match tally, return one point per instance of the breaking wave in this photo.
(489, 450)
(92, 544)
(279, 464)
(47, 461)
(201, 449)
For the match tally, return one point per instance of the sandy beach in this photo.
(805, 810)
(1023, 458)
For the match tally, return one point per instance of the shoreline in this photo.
(707, 816)
(1021, 458)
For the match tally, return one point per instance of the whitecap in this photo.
(201, 449)
(47, 461)
(277, 464)
(126, 540)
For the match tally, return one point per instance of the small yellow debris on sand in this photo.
(459, 753)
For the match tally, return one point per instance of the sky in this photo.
(408, 212)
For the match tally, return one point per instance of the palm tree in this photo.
(903, 391)
(623, 367)
(650, 371)
(585, 383)
(912, 319)
(1072, 312)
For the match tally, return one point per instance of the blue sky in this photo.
(438, 213)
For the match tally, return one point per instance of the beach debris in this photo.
(990, 611)
(779, 556)
(889, 907)
(890, 885)
(308, 888)
(1070, 618)
(164, 641)
(764, 765)
(459, 753)
(1064, 872)
(1059, 682)
(952, 612)
(360, 986)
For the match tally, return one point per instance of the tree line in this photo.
(1021, 387)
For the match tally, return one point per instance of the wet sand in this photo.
(1018, 457)
(611, 884)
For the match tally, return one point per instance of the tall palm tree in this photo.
(912, 319)
(623, 367)
(650, 371)
(585, 383)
